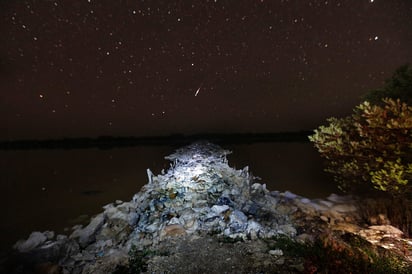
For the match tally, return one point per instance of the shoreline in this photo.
(177, 140)
(199, 197)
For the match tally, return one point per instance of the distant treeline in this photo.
(108, 142)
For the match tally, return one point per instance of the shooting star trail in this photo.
(197, 92)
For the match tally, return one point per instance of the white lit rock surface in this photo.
(181, 213)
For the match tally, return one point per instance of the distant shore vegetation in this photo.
(108, 142)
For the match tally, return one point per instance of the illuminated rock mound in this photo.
(201, 193)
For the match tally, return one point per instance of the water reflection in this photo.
(54, 189)
(296, 167)
(49, 189)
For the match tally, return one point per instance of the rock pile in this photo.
(198, 195)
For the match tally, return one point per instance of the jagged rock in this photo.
(305, 238)
(289, 195)
(258, 189)
(276, 252)
(219, 209)
(387, 230)
(376, 233)
(173, 230)
(238, 221)
(343, 208)
(35, 240)
(88, 234)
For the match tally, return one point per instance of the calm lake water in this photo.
(55, 189)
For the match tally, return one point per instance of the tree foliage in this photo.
(370, 148)
(399, 86)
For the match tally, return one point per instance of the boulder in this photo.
(35, 239)
(87, 235)
(173, 230)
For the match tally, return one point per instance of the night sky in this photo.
(136, 68)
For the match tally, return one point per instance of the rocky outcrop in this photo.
(199, 197)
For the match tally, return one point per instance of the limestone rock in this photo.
(387, 230)
(218, 209)
(88, 234)
(35, 239)
(173, 230)
(343, 208)
(276, 252)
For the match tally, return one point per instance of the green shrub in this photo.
(370, 148)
